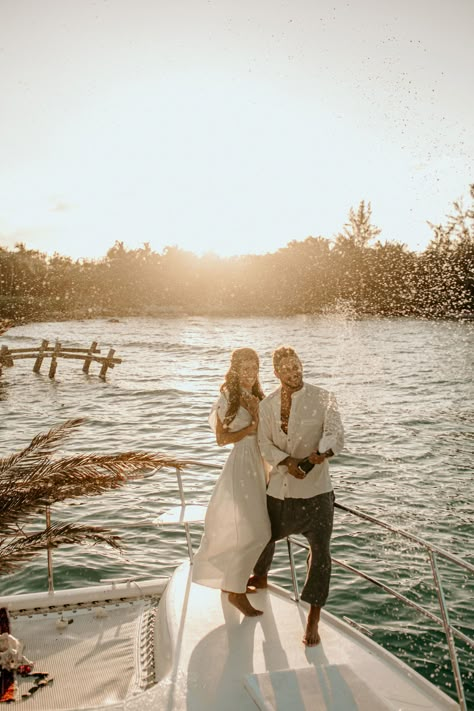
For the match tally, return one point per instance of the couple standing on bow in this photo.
(290, 434)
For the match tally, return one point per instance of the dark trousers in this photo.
(312, 518)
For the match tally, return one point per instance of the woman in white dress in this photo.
(237, 527)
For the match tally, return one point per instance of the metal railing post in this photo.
(448, 632)
(49, 552)
(293, 571)
(186, 525)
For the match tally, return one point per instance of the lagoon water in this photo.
(405, 391)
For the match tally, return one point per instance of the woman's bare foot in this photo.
(257, 581)
(240, 601)
(250, 589)
(311, 636)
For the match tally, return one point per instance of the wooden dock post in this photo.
(52, 367)
(5, 358)
(39, 360)
(88, 361)
(107, 363)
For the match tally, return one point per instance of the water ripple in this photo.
(405, 390)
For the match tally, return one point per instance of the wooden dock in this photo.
(88, 355)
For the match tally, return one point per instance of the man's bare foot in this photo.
(257, 581)
(311, 636)
(240, 601)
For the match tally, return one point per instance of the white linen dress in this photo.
(236, 527)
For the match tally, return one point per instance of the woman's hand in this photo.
(253, 426)
(224, 436)
(251, 403)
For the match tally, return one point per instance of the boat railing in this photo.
(188, 514)
(433, 553)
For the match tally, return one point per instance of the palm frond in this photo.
(126, 464)
(36, 477)
(40, 448)
(18, 551)
(16, 507)
(71, 477)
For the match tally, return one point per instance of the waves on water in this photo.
(405, 390)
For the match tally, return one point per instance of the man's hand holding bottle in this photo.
(299, 468)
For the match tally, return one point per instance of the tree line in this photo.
(355, 271)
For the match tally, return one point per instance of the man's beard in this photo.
(294, 383)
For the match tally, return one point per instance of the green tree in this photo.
(447, 265)
(359, 229)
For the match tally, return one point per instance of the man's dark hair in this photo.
(281, 353)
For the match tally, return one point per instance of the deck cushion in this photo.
(103, 657)
(330, 687)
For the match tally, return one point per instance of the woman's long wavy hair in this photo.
(231, 385)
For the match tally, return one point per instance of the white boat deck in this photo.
(94, 644)
(208, 657)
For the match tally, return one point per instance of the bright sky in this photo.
(231, 126)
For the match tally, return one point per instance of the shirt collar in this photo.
(296, 395)
(299, 392)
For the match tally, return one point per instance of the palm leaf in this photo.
(20, 550)
(71, 477)
(35, 478)
(87, 469)
(40, 448)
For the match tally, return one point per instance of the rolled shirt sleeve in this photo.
(333, 431)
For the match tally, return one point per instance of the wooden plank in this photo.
(52, 367)
(28, 350)
(43, 354)
(39, 359)
(62, 354)
(107, 363)
(88, 361)
(32, 350)
(51, 349)
(79, 350)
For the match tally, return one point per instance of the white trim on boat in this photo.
(129, 590)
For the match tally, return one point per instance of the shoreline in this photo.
(7, 324)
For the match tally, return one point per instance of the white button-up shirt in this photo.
(314, 424)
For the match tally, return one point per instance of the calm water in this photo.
(405, 391)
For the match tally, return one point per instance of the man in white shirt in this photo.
(300, 422)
